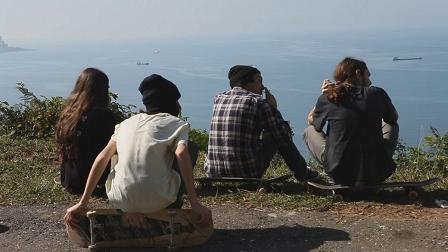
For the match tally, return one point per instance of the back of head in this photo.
(92, 87)
(160, 95)
(345, 77)
(345, 71)
(239, 75)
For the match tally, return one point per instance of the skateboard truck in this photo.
(95, 229)
(172, 246)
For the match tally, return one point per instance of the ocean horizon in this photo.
(293, 67)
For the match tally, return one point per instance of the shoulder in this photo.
(377, 92)
(170, 118)
(236, 95)
(375, 89)
(161, 118)
(323, 99)
(99, 111)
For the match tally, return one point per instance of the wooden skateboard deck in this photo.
(262, 182)
(114, 228)
(409, 187)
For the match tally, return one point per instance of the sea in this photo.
(293, 66)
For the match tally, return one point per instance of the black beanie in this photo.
(159, 95)
(241, 74)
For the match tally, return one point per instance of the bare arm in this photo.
(97, 170)
(186, 170)
(310, 116)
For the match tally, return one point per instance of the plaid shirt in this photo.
(239, 119)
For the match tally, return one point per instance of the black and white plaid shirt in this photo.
(239, 119)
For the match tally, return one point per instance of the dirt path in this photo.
(40, 228)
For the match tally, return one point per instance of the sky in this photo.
(74, 20)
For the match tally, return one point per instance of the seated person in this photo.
(247, 130)
(143, 179)
(83, 130)
(362, 129)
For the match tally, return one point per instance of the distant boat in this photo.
(5, 48)
(396, 58)
(141, 63)
(155, 51)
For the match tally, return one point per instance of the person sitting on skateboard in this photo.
(146, 178)
(362, 130)
(84, 129)
(247, 131)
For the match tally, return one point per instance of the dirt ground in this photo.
(363, 227)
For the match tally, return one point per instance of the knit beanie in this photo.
(159, 95)
(241, 74)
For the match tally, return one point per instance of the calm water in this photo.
(293, 67)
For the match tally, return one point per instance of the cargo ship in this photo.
(396, 58)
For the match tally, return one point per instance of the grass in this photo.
(27, 169)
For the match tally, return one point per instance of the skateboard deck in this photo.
(57, 180)
(409, 187)
(263, 183)
(115, 228)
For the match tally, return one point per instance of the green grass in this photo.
(290, 195)
(27, 169)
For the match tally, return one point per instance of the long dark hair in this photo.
(345, 77)
(91, 89)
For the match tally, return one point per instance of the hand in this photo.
(327, 86)
(206, 214)
(72, 216)
(270, 98)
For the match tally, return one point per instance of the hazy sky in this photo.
(109, 19)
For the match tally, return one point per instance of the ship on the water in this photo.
(396, 58)
(6, 48)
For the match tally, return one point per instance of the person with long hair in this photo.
(84, 129)
(146, 177)
(362, 129)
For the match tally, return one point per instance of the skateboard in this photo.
(171, 228)
(410, 188)
(263, 183)
(57, 180)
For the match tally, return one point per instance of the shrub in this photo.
(33, 118)
(120, 111)
(431, 158)
(37, 118)
(198, 136)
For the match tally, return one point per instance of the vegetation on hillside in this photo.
(29, 162)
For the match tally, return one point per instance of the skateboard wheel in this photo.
(263, 190)
(93, 248)
(205, 185)
(91, 214)
(172, 248)
(413, 195)
(338, 197)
